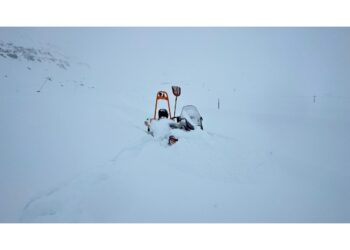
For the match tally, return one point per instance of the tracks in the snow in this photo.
(92, 172)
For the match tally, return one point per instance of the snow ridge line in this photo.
(136, 147)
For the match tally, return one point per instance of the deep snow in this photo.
(77, 150)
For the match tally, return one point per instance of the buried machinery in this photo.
(188, 120)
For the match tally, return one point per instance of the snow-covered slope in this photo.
(74, 148)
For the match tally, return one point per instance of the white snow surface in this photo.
(78, 151)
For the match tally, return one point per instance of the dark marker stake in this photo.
(44, 83)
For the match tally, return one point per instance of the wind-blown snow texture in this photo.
(73, 146)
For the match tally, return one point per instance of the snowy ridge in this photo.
(10, 50)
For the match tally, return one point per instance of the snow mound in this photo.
(160, 129)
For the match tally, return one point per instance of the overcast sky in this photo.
(286, 61)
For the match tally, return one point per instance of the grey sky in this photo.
(287, 61)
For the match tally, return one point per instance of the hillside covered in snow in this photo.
(74, 148)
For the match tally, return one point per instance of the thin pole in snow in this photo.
(218, 103)
(43, 85)
(314, 99)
